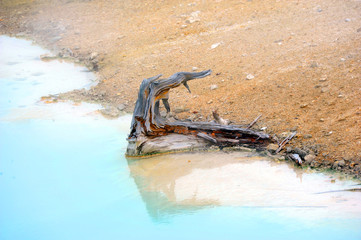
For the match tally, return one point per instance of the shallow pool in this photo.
(63, 175)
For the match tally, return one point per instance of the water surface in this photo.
(63, 175)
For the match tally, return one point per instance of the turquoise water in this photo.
(63, 175)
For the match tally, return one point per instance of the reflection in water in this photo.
(174, 184)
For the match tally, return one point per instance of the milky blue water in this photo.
(63, 175)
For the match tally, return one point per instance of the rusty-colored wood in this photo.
(147, 122)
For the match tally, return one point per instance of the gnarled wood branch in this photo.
(147, 123)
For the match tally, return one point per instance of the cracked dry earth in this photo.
(295, 62)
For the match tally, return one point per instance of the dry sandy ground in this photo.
(302, 58)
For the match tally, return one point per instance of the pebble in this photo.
(342, 59)
(300, 152)
(55, 39)
(121, 107)
(110, 111)
(194, 69)
(249, 77)
(194, 17)
(341, 163)
(323, 79)
(329, 133)
(215, 45)
(322, 119)
(210, 101)
(293, 129)
(338, 164)
(309, 158)
(93, 55)
(214, 87)
(324, 90)
(303, 105)
(307, 136)
(279, 42)
(347, 20)
(272, 148)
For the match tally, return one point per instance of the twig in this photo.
(207, 137)
(285, 141)
(219, 119)
(254, 121)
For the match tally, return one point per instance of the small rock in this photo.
(324, 90)
(263, 128)
(322, 120)
(307, 136)
(210, 101)
(249, 77)
(272, 148)
(293, 129)
(335, 165)
(341, 163)
(329, 133)
(55, 39)
(93, 55)
(323, 79)
(314, 164)
(303, 105)
(121, 107)
(214, 87)
(309, 158)
(110, 111)
(347, 20)
(194, 17)
(215, 45)
(47, 57)
(194, 69)
(342, 59)
(183, 26)
(300, 152)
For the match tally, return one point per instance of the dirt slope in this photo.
(302, 59)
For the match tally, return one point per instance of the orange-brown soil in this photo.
(304, 57)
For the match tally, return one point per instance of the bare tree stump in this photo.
(151, 133)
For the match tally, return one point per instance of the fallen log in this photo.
(149, 129)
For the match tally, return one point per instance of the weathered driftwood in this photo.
(152, 133)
